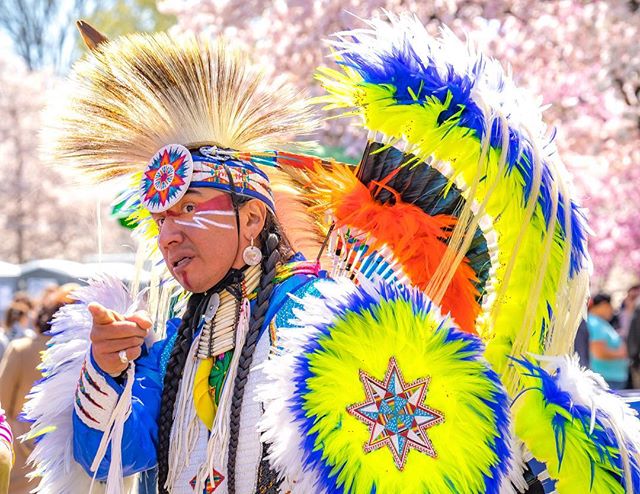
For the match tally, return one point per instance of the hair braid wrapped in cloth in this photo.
(172, 380)
(270, 242)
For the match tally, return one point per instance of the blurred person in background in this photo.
(626, 311)
(608, 351)
(16, 325)
(633, 345)
(24, 298)
(6, 453)
(18, 371)
(17, 321)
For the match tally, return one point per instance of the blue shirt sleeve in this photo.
(141, 428)
(596, 332)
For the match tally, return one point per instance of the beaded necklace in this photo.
(218, 334)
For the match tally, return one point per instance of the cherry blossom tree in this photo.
(582, 57)
(43, 213)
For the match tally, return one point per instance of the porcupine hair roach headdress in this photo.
(142, 92)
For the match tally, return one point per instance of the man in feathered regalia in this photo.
(420, 349)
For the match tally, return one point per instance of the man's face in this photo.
(198, 238)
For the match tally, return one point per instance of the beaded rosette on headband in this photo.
(173, 169)
(167, 178)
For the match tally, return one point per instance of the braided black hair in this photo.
(271, 240)
(172, 379)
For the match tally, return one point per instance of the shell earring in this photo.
(252, 255)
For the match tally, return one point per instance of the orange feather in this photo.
(417, 240)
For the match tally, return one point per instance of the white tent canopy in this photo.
(9, 270)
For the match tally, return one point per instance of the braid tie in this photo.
(172, 379)
(271, 259)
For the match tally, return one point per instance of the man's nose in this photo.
(170, 233)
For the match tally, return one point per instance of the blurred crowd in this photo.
(608, 340)
(23, 337)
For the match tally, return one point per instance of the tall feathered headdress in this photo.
(142, 92)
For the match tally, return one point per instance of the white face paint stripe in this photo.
(189, 223)
(221, 213)
(199, 222)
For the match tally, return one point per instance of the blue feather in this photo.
(603, 437)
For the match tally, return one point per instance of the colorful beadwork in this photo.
(218, 373)
(166, 352)
(396, 414)
(299, 267)
(90, 380)
(225, 170)
(208, 487)
(166, 178)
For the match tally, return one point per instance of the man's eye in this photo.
(188, 208)
(159, 221)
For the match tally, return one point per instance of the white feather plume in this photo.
(50, 403)
(279, 426)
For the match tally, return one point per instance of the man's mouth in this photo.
(181, 262)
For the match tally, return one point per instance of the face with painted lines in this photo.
(198, 238)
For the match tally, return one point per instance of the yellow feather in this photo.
(202, 398)
(365, 342)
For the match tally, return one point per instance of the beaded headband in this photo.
(174, 168)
